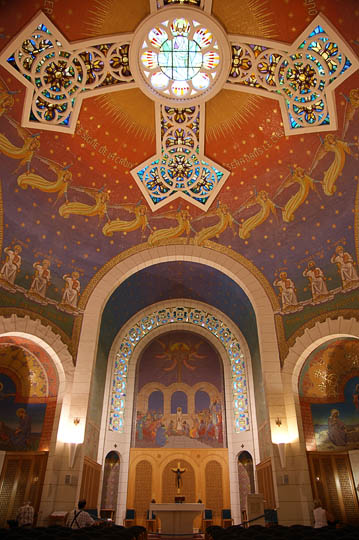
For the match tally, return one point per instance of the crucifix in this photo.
(178, 472)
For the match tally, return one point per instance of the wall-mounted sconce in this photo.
(278, 422)
(282, 456)
(72, 453)
(76, 421)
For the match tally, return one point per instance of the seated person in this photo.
(77, 519)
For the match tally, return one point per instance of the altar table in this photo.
(177, 518)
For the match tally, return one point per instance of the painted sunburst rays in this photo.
(227, 111)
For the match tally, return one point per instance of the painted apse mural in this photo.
(179, 394)
(288, 211)
(329, 396)
(28, 395)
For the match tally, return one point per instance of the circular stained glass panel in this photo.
(182, 57)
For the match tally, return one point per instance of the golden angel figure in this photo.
(26, 152)
(351, 108)
(183, 226)
(140, 220)
(59, 186)
(6, 98)
(267, 206)
(331, 143)
(225, 220)
(101, 198)
(306, 183)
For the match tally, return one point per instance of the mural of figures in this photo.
(346, 268)
(20, 423)
(179, 395)
(329, 396)
(11, 266)
(317, 283)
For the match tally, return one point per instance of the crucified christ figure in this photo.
(178, 478)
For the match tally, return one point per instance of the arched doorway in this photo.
(28, 391)
(328, 389)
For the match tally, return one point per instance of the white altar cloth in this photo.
(177, 518)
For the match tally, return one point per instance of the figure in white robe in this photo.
(12, 264)
(71, 291)
(179, 419)
(41, 279)
(317, 283)
(346, 268)
(287, 293)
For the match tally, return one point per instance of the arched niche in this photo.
(111, 475)
(245, 477)
(187, 481)
(329, 396)
(28, 390)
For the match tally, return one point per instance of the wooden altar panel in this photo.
(143, 495)
(214, 491)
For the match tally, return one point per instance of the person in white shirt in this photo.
(320, 515)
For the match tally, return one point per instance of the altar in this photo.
(177, 518)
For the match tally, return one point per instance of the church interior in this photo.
(179, 237)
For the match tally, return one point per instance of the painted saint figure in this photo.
(21, 437)
(12, 264)
(346, 268)
(287, 293)
(41, 280)
(71, 291)
(336, 429)
(317, 283)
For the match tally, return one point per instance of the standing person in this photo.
(320, 515)
(77, 519)
(25, 515)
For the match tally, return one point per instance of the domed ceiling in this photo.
(264, 169)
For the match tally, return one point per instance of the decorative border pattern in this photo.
(180, 314)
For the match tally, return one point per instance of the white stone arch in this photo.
(236, 268)
(299, 352)
(122, 440)
(47, 339)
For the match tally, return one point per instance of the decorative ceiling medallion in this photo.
(180, 169)
(180, 56)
